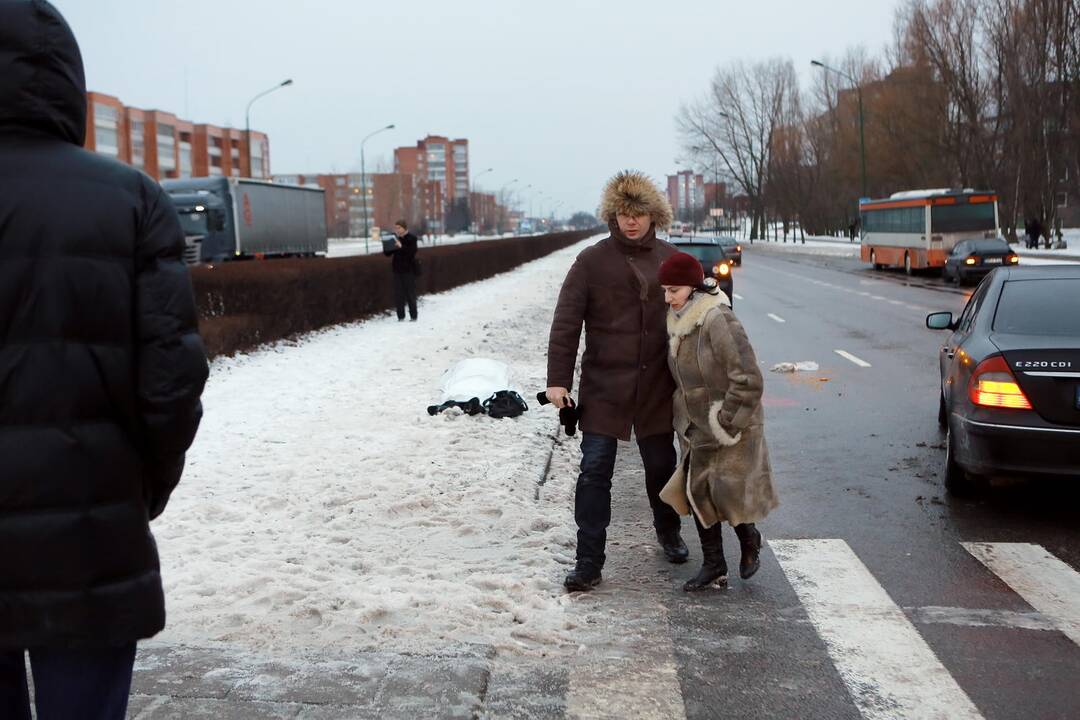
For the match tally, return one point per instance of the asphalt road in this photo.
(897, 617)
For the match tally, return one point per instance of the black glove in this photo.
(568, 416)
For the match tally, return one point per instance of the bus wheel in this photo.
(907, 265)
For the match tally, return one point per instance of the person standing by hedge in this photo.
(612, 289)
(101, 370)
(404, 265)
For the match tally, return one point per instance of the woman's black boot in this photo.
(750, 542)
(714, 568)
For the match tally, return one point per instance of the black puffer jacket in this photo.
(101, 367)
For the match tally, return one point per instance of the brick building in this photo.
(440, 167)
(165, 146)
(686, 193)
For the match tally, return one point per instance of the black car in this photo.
(732, 249)
(1010, 377)
(714, 262)
(974, 259)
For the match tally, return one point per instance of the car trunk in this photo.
(1047, 368)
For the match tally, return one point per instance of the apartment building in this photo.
(165, 146)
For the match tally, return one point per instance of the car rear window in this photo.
(988, 246)
(1039, 307)
(708, 253)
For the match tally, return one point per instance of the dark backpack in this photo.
(505, 403)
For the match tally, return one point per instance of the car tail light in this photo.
(721, 269)
(1014, 259)
(970, 261)
(993, 385)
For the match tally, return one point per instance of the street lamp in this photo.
(363, 179)
(858, 92)
(247, 117)
(477, 190)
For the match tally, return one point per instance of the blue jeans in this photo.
(592, 504)
(89, 684)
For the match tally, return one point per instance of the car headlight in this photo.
(721, 269)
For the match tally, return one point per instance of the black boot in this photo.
(750, 542)
(584, 577)
(713, 570)
(675, 549)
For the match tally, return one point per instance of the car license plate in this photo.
(992, 261)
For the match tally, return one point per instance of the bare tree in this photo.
(736, 120)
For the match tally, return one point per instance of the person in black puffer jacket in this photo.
(101, 370)
(404, 265)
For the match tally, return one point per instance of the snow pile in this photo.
(323, 508)
(792, 367)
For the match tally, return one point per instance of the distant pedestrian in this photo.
(404, 266)
(613, 292)
(101, 369)
(724, 474)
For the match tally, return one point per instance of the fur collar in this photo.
(679, 327)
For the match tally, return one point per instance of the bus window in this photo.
(961, 218)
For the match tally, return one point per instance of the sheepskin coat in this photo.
(724, 474)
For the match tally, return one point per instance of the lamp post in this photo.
(363, 179)
(858, 92)
(247, 118)
(476, 190)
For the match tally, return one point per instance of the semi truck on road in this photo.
(239, 218)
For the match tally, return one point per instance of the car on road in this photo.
(974, 259)
(1010, 377)
(714, 262)
(732, 249)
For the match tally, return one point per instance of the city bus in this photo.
(917, 229)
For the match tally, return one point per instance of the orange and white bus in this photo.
(917, 229)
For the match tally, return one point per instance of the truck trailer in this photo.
(240, 218)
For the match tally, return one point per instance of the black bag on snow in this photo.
(505, 403)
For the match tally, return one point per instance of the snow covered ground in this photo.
(323, 509)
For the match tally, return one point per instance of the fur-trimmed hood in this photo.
(679, 327)
(633, 193)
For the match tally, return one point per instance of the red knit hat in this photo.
(681, 269)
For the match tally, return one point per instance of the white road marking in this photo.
(1045, 582)
(848, 356)
(896, 302)
(877, 297)
(738, 296)
(777, 318)
(888, 668)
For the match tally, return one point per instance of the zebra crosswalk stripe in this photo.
(1045, 582)
(886, 665)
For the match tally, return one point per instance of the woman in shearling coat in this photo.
(724, 473)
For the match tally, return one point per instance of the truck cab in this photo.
(203, 207)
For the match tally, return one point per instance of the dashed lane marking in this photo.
(888, 668)
(857, 360)
(777, 318)
(738, 296)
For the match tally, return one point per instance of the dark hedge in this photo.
(244, 304)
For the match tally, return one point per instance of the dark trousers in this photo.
(89, 684)
(405, 292)
(592, 504)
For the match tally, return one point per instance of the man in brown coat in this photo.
(612, 289)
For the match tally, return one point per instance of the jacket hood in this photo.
(42, 86)
(633, 193)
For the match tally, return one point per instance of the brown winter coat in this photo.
(725, 473)
(612, 289)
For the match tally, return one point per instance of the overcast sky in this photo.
(559, 95)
